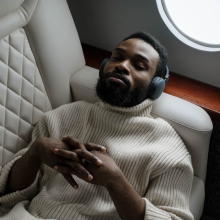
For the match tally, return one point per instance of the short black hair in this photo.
(148, 38)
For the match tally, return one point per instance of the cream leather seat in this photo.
(42, 67)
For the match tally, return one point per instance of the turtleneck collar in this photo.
(142, 110)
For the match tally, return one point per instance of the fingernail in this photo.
(90, 177)
(55, 150)
(99, 162)
(64, 137)
(56, 167)
(103, 148)
(75, 187)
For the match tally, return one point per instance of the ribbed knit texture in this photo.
(149, 152)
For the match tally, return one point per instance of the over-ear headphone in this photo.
(156, 87)
(102, 66)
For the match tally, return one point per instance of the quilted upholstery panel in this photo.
(23, 99)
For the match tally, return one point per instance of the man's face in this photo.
(128, 73)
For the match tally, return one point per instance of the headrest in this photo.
(7, 6)
(15, 15)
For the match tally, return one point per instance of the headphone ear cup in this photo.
(156, 88)
(102, 66)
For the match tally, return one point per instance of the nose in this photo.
(123, 67)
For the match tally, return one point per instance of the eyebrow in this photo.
(137, 55)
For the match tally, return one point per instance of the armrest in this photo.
(83, 84)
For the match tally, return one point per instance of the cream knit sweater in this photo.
(149, 152)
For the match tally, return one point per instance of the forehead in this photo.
(137, 46)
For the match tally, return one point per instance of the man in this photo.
(109, 160)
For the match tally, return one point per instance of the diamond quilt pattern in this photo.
(23, 98)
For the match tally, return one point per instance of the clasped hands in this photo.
(67, 156)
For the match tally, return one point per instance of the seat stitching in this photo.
(20, 52)
(25, 78)
(21, 93)
(10, 67)
(22, 98)
(14, 70)
(17, 115)
(39, 71)
(6, 150)
(24, 35)
(14, 134)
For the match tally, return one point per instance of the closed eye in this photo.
(139, 67)
(116, 58)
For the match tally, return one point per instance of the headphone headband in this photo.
(167, 75)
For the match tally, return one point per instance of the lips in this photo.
(119, 76)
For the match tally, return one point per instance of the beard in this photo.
(112, 95)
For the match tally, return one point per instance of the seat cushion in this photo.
(23, 99)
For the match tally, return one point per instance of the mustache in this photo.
(122, 75)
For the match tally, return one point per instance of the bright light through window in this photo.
(198, 20)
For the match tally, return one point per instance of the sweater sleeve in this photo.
(168, 194)
(10, 199)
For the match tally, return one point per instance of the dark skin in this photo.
(138, 60)
(24, 171)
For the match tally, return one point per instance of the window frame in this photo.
(192, 42)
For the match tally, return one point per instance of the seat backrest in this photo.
(190, 121)
(193, 125)
(40, 55)
(39, 52)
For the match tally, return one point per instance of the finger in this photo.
(65, 169)
(91, 146)
(67, 154)
(78, 170)
(84, 161)
(73, 142)
(70, 180)
(88, 156)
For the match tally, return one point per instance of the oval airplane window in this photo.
(195, 22)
